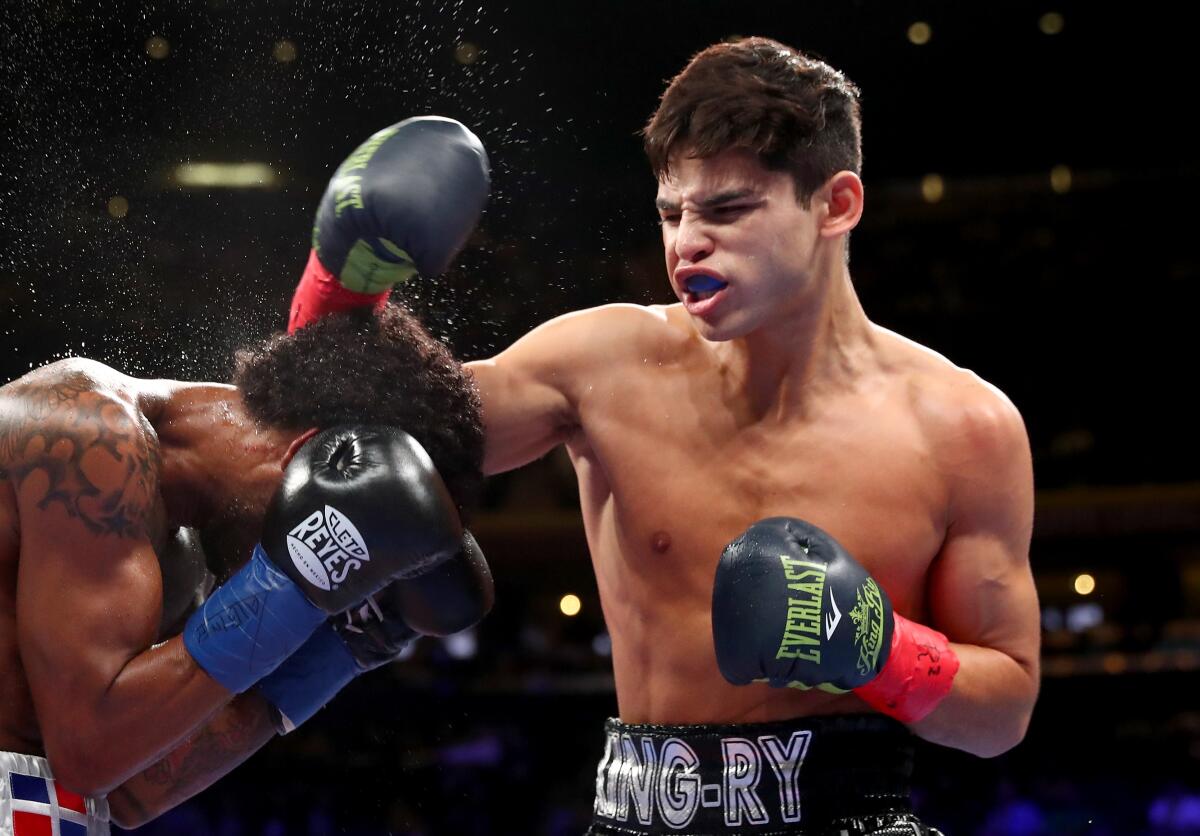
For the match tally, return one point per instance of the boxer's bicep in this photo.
(533, 392)
(981, 592)
(528, 408)
(981, 588)
(85, 606)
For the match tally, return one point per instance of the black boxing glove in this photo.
(186, 580)
(792, 608)
(452, 597)
(790, 605)
(358, 507)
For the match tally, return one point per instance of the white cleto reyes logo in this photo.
(832, 618)
(326, 547)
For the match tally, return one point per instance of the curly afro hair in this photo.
(373, 367)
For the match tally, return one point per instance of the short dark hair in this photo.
(371, 367)
(794, 112)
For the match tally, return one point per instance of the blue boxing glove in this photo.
(404, 202)
(358, 508)
(452, 597)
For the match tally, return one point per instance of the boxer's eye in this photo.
(728, 212)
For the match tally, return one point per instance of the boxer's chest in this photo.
(677, 483)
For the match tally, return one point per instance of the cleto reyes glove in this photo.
(404, 202)
(792, 608)
(358, 508)
(452, 597)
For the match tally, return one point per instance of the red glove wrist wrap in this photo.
(320, 293)
(916, 676)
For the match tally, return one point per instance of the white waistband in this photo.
(34, 774)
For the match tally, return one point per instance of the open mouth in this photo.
(700, 287)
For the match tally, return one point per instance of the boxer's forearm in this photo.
(988, 708)
(231, 736)
(108, 738)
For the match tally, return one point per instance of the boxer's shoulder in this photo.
(57, 389)
(75, 424)
(623, 320)
(76, 391)
(645, 332)
(611, 335)
(969, 423)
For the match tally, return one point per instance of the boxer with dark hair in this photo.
(810, 534)
(331, 518)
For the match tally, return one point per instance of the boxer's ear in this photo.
(843, 198)
(296, 444)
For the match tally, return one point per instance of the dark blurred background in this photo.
(1030, 184)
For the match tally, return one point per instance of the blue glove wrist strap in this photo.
(309, 678)
(250, 624)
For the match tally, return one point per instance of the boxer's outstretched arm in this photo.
(232, 735)
(530, 390)
(981, 590)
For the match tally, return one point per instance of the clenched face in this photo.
(739, 247)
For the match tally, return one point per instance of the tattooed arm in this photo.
(234, 734)
(84, 466)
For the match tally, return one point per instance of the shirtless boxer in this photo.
(112, 488)
(769, 675)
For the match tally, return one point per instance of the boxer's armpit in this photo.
(83, 451)
(231, 736)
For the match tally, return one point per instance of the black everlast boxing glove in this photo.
(358, 508)
(792, 608)
(452, 597)
(404, 202)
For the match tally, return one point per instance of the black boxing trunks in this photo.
(845, 775)
(33, 803)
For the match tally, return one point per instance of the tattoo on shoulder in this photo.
(50, 428)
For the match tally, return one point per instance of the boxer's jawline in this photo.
(54, 427)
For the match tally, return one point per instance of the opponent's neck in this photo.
(823, 344)
(213, 450)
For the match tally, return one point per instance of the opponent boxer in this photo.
(773, 684)
(360, 546)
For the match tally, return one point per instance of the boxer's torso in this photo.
(25, 404)
(674, 462)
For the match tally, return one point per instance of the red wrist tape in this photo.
(320, 293)
(916, 676)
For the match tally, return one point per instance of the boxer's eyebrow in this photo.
(665, 205)
(725, 197)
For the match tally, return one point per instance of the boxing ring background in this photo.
(1029, 214)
